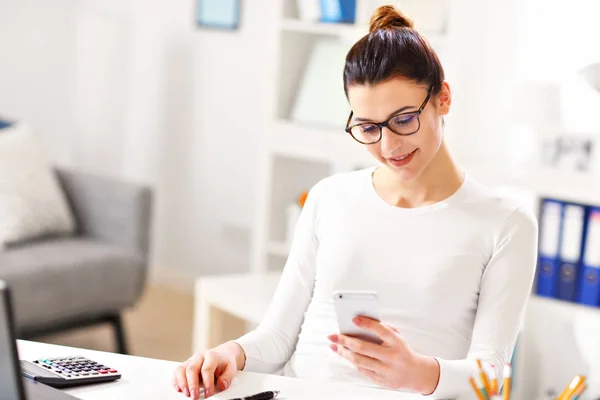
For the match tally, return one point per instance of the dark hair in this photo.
(392, 49)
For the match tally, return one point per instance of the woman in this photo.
(452, 263)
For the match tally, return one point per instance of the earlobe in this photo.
(445, 99)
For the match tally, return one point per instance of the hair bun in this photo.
(389, 17)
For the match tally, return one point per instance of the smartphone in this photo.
(350, 304)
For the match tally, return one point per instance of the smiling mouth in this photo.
(403, 157)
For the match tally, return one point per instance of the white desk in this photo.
(149, 379)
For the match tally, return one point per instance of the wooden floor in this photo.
(160, 326)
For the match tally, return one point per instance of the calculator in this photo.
(64, 372)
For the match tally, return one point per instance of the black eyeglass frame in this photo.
(385, 123)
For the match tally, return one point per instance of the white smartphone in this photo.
(350, 304)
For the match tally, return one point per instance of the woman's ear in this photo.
(444, 99)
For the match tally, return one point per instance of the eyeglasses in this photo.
(403, 124)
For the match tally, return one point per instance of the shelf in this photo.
(345, 31)
(561, 306)
(318, 144)
(278, 249)
(350, 32)
(544, 182)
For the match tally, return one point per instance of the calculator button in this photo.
(93, 373)
(113, 371)
(84, 373)
(103, 371)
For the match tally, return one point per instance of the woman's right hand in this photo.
(219, 364)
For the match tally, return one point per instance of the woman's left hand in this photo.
(392, 363)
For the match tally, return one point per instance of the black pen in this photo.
(271, 394)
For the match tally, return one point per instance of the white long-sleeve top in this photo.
(454, 278)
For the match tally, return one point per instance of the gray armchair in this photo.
(63, 283)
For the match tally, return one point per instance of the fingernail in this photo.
(193, 394)
(333, 347)
(225, 384)
(356, 320)
(186, 392)
(333, 338)
(206, 393)
(177, 387)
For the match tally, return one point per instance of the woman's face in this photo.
(406, 156)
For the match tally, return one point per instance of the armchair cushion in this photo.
(62, 279)
(32, 204)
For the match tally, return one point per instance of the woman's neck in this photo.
(437, 182)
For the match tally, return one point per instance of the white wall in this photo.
(212, 92)
(36, 72)
(229, 110)
(480, 63)
(100, 100)
(134, 89)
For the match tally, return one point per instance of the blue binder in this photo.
(589, 280)
(338, 11)
(571, 244)
(4, 124)
(550, 235)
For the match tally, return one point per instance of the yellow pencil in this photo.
(579, 391)
(507, 379)
(562, 393)
(491, 372)
(484, 379)
(570, 390)
(476, 389)
(495, 386)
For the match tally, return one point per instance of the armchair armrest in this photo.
(109, 210)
